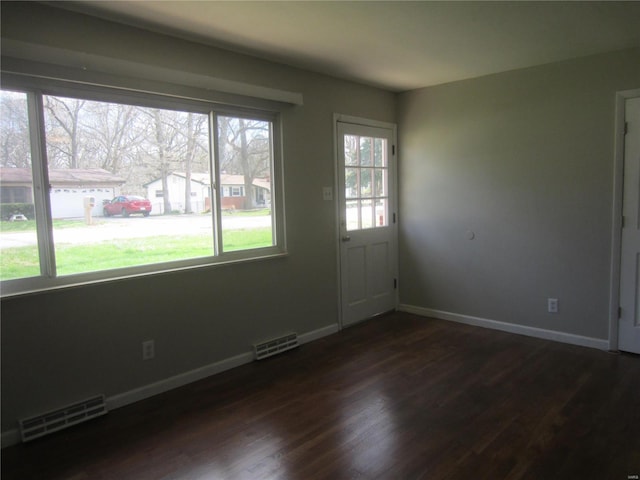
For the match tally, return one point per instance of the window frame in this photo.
(35, 88)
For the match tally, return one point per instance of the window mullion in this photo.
(274, 222)
(216, 187)
(44, 224)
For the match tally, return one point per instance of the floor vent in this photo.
(276, 345)
(55, 420)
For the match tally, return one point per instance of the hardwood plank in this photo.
(397, 397)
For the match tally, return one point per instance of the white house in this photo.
(176, 182)
(233, 192)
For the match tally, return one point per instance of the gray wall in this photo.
(65, 345)
(523, 159)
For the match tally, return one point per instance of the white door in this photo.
(629, 323)
(366, 194)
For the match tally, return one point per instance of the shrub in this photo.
(8, 209)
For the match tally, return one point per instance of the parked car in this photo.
(125, 205)
(17, 217)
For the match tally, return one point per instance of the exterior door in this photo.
(366, 193)
(629, 323)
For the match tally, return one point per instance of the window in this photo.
(132, 185)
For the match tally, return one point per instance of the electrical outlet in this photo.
(552, 305)
(327, 193)
(148, 350)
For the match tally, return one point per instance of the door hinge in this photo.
(393, 149)
(395, 283)
(622, 222)
(626, 127)
(619, 313)
(394, 217)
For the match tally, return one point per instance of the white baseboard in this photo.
(146, 391)
(509, 327)
(191, 376)
(318, 334)
(12, 437)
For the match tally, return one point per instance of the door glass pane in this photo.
(367, 214)
(365, 182)
(353, 215)
(366, 151)
(380, 183)
(380, 153)
(246, 163)
(352, 182)
(382, 212)
(351, 150)
(130, 185)
(18, 238)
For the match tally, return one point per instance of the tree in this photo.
(196, 143)
(177, 141)
(245, 149)
(63, 135)
(15, 149)
(113, 134)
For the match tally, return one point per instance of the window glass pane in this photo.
(351, 182)
(246, 166)
(353, 215)
(380, 152)
(18, 238)
(367, 214)
(380, 183)
(366, 152)
(123, 180)
(365, 182)
(381, 212)
(351, 150)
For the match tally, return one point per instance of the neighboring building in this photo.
(233, 192)
(69, 187)
(235, 197)
(176, 181)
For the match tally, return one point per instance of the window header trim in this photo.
(53, 63)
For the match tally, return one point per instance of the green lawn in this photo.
(21, 262)
(247, 213)
(31, 225)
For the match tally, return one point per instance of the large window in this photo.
(100, 185)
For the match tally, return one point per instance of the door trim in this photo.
(616, 223)
(366, 122)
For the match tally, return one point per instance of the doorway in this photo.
(366, 166)
(629, 298)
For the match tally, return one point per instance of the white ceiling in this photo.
(396, 45)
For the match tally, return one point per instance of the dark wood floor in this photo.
(398, 397)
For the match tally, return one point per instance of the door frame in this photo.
(616, 224)
(365, 122)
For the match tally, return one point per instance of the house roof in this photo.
(227, 179)
(77, 176)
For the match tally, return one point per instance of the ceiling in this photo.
(395, 45)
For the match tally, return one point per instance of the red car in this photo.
(125, 205)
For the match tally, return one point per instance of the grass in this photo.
(22, 262)
(264, 212)
(30, 225)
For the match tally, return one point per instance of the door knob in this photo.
(346, 238)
